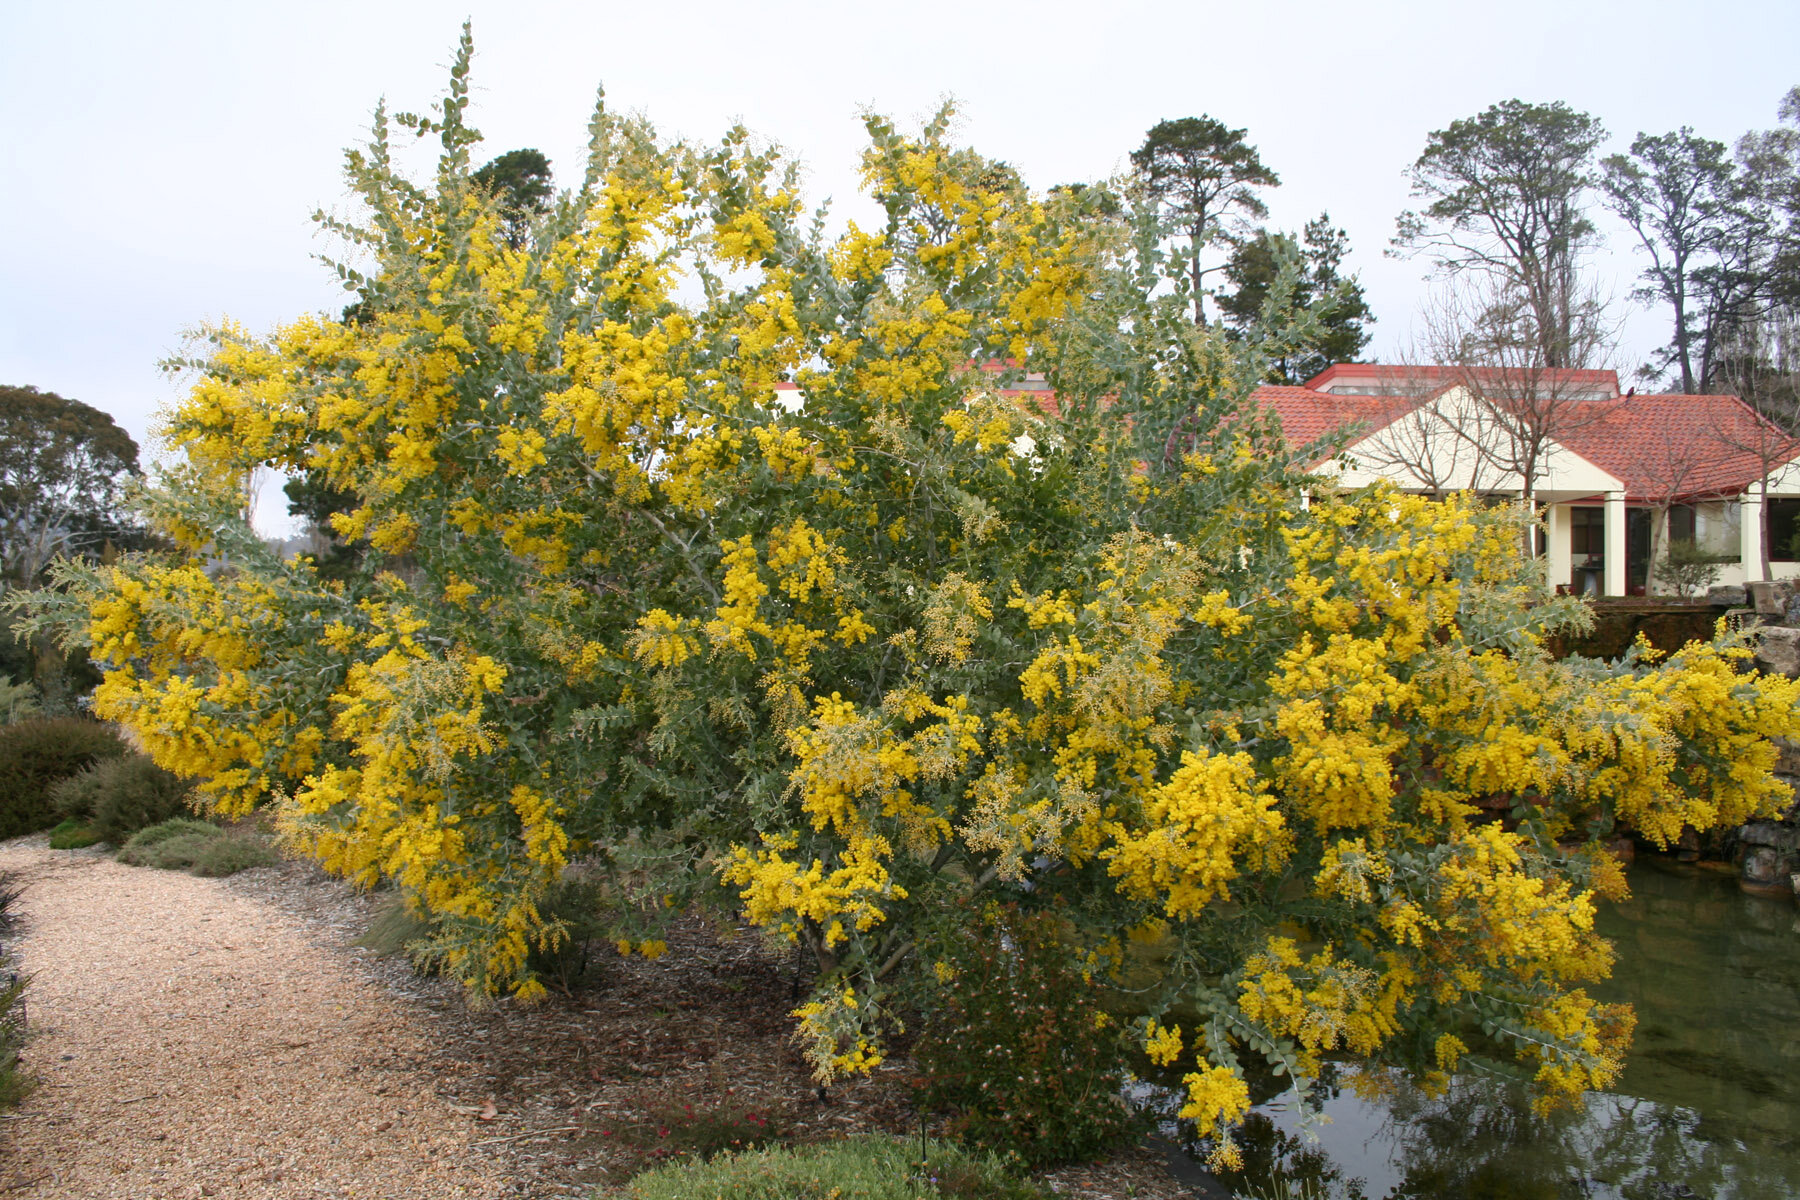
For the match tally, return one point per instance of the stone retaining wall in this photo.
(1767, 852)
(1666, 624)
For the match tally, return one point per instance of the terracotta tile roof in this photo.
(1669, 447)
(1306, 415)
(1044, 401)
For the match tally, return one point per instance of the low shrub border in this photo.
(198, 847)
(856, 1168)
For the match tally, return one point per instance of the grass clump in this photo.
(396, 929)
(73, 834)
(857, 1168)
(199, 847)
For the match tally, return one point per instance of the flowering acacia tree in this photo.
(909, 642)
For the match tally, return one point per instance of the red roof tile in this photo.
(1670, 447)
(1306, 415)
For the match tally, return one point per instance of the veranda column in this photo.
(1557, 555)
(1615, 544)
(1750, 535)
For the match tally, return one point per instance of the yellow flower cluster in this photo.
(1213, 819)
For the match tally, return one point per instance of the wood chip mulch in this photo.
(416, 1092)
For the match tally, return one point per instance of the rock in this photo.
(1770, 596)
(1787, 757)
(1778, 650)
(1727, 595)
(1764, 865)
(1771, 835)
(1793, 612)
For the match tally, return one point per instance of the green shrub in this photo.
(170, 845)
(858, 1168)
(72, 834)
(177, 853)
(1686, 569)
(232, 853)
(36, 754)
(1016, 1046)
(184, 844)
(579, 902)
(120, 796)
(175, 827)
(74, 797)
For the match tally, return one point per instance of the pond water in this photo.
(1707, 1107)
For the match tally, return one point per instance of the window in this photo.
(1784, 530)
(1681, 525)
(1587, 535)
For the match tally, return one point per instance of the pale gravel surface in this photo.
(192, 1040)
(228, 1038)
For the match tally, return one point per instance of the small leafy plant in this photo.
(1017, 1046)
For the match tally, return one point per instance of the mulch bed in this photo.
(646, 1061)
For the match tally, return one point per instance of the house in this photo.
(1619, 478)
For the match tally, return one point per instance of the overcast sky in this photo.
(162, 160)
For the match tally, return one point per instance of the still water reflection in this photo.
(1708, 1105)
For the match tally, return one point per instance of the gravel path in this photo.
(191, 1041)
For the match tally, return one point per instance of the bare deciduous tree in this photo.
(1517, 405)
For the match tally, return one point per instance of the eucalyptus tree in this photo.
(1505, 195)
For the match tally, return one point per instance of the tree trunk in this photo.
(1659, 523)
(1682, 352)
(1194, 269)
(1762, 528)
